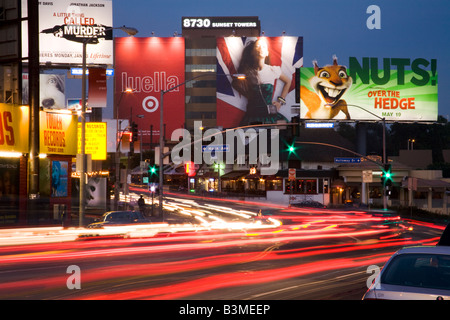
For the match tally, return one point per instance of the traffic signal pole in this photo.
(384, 162)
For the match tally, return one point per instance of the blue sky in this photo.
(409, 28)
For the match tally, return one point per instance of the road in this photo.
(231, 253)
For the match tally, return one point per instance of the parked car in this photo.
(309, 204)
(415, 273)
(445, 237)
(118, 218)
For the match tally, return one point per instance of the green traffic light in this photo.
(152, 170)
(291, 149)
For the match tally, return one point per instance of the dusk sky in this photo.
(408, 28)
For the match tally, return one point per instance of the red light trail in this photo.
(208, 260)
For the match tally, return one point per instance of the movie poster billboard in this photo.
(267, 93)
(65, 24)
(145, 67)
(370, 89)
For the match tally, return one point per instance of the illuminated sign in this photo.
(56, 133)
(79, 72)
(219, 22)
(14, 128)
(147, 66)
(96, 139)
(65, 24)
(401, 90)
(266, 95)
(319, 125)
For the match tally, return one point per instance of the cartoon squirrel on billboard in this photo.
(329, 83)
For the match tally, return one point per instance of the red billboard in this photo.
(144, 67)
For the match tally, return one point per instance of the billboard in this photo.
(14, 128)
(268, 92)
(65, 24)
(403, 90)
(57, 131)
(97, 96)
(60, 177)
(95, 140)
(145, 67)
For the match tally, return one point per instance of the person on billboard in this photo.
(258, 87)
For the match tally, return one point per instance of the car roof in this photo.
(425, 250)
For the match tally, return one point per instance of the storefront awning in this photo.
(426, 184)
(234, 175)
(338, 183)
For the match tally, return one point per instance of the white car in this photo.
(414, 273)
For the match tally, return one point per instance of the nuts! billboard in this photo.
(394, 89)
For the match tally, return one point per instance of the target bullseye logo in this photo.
(150, 104)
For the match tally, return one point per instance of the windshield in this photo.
(419, 270)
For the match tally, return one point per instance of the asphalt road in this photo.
(230, 253)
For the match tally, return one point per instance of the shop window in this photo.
(274, 185)
(302, 186)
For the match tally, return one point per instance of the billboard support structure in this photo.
(33, 58)
(129, 31)
(161, 138)
(384, 145)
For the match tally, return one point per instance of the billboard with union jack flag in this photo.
(267, 93)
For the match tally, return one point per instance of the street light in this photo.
(411, 143)
(131, 32)
(161, 125)
(119, 134)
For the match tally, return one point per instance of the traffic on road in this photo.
(209, 249)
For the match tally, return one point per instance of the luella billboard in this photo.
(145, 66)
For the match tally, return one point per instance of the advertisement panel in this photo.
(9, 189)
(268, 92)
(403, 90)
(56, 133)
(95, 142)
(60, 176)
(97, 96)
(144, 67)
(14, 128)
(64, 25)
(52, 92)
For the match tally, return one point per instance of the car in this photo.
(309, 204)
(414, 273)
(118, 218)
(445, 237)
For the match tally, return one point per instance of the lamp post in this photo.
(161, 125)
(131, 32)
(119, 134)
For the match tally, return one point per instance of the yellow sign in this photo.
(96, 140)
(14, 128)
(57, 132)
